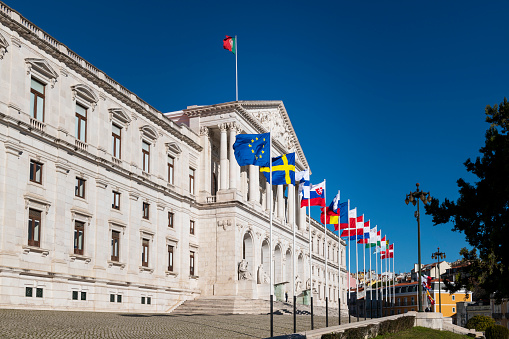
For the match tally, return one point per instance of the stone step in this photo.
(223, 305)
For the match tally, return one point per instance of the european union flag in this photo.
(252, 149)
(283, 170)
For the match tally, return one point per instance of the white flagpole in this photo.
(349, 271)
(376, 269)
(370, 276)
(326, 250)
(356, 270)
(271, 243)
(394, 270)
(237, 85)
(364, 266)
(293, 256)
(310, 257)
(388, 274)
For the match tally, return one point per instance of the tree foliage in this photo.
(480, 322)
(482, 210)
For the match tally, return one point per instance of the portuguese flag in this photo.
(229, 44)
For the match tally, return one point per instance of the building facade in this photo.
(109, 204)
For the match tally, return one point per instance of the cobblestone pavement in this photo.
(67, 324)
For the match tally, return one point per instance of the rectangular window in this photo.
(191, 227)
(116, 137)
(170, 258)
(37, 100)
(79, 234)
(191, 263)
(453, 298)
(454, 310)
(116, 201)
(143, 300)
(79, 189)
(83, 295)
(145, 150)
(74, 295)
(144, 252)
(119, 298)
(146, 210)
(149, 300)
(35, 172)
(171, 169)
(38, 292)
(170, 219)
(81, 123)
(112, 298)
(115, 242)
(191, 180)
(34, 228)
(29, 291)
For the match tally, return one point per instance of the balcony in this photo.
(80, 145)
(211, 199)
(37, 125)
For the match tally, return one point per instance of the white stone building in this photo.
(107, 204)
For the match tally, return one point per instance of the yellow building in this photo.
(405, 299)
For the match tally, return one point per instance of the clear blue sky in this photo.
(381, 94)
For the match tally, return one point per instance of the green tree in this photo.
(482, 210)
(480, 322)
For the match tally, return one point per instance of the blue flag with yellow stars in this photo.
(283, 170)
(252, 149)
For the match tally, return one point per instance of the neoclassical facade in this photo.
(108, 204)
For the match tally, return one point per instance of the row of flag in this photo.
(253, 149)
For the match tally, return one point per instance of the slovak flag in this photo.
(365, 236)
(316, 196)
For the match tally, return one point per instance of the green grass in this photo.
(422, 332)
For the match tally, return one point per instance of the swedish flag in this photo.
(252, 149)
(283, 170)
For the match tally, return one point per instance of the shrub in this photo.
(497, 332)
(332, 335)
(396, 325)
(480, 322)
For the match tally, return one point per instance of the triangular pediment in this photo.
(41, 68)
(120, 114)
(173, 147)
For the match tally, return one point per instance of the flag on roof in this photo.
(316, 195)
(302, 178)
(334, 205)
(345, 215)
(229, 43)
(252, 149)
(283, 170)
(332, 218)
(372, 238)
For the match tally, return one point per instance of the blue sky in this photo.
(381, 94)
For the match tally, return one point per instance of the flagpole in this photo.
(364, 268)
(271, 243)
(349, 271)
(237, 86)
(356, 270)
(370, 277)
(387, 258)
(376, 269)
(310, 259)
(394, 270)
(326, 250)
(339, 263)
(294, 261)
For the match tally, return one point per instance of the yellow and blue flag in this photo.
(252, 149)
(283, 170)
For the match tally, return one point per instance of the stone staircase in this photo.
(223, 305)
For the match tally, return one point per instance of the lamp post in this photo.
(438, 255)
(414, 197)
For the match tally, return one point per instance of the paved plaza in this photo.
(71, 324)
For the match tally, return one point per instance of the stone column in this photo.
(302, 215)
(268, 194)
(254, 183)
(291, 204)
(280, 202)
(206, 171)
(234, 167)
(223, 159)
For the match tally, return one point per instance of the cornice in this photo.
(58, 50)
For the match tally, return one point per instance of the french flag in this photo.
(316, 196)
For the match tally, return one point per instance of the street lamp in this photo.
(438, 255)
(414, 197)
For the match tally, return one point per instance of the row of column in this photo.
(230, 171)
